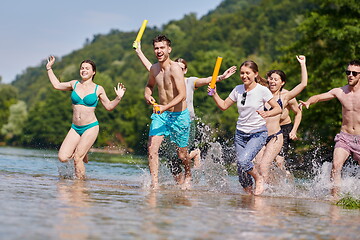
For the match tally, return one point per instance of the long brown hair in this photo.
(253, 66)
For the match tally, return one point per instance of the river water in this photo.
(40, 200)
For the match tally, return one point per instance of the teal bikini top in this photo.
(90, 100)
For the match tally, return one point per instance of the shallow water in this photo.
(39, 201)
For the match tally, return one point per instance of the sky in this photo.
(34, 29)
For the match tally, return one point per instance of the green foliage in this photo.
(328, 36)
(17, 119)
(270, 32)
(349, 202)
(8, 97)
(48, 121)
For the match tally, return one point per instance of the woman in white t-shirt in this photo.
(251, 132)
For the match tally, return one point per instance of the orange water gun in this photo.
(156, 107)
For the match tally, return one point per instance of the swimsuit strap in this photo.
(75, 84)
(275, 135)
(280, 101)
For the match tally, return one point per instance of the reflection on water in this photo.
(73, 211)
(168, 199)
(116, 203)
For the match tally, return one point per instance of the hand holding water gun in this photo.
(212, 84)
(140, 34)
(156, 107)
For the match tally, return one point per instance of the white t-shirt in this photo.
(249, 120)
(190, 88)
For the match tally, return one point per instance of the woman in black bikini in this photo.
(276, 79)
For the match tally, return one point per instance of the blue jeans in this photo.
(247, 145)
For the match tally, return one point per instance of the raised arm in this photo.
(147, 64)
(304, 79)
(293, 105)
(110, 105)
(204, 81)
(318, 98)
(222, 104)
(63, 86)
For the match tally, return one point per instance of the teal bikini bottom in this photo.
(81, 129)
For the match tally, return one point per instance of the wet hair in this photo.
(93, 65)
(181, 60)
(280, 73)
(162, 38)
(253, 66)
(354, 63)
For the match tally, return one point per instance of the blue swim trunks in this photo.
(175, 125)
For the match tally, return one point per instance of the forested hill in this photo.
(270, 32)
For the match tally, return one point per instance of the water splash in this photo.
(318, 184)
(66, 170)
(311, 180)
(145, 179)
(213, 168)
(350, 179)
(307, 176)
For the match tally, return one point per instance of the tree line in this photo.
(270, 32)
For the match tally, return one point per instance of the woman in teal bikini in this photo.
(85, 127)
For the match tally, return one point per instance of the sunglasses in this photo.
(347, 72)
(244, 98)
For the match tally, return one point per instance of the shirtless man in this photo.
(348, 140)
(174, 118)
(191, 83)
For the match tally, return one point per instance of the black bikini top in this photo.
(278, 101)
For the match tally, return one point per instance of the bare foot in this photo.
(187, 184)
(86, 159)
(154, 186)
(248, 190)
(195, 154)
(180, 178)
(197, 163)
(80, 176)
(335, 192)
(334, 198)
(259, 186)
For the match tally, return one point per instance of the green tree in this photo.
(329, 37)
(17, 118)
(270, 32)
(48, 121)
(8, 97)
